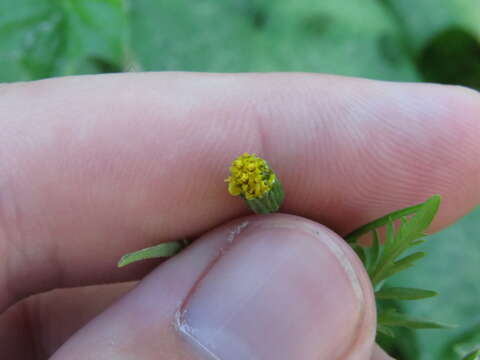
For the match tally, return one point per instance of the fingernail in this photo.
(278, 292)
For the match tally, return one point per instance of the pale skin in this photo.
(94, 167)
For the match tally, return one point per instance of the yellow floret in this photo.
(250, 177)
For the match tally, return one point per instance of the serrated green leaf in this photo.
(384, 220)
(384, 260)
(381, 261)
(403, 293)
(397, 266)
(391, 317)
(474, 355)
(415, 227)
(162, 250)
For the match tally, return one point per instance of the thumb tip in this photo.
(285, 288)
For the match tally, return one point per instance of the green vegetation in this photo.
(405, 40)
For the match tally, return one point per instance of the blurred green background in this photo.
(402, 40)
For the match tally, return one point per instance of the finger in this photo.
(94, 167)
(271, 287)
(35, 327)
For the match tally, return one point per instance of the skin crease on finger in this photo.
(94, 167)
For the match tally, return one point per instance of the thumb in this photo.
(265, 287)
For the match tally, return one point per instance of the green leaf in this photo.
(418, 242)
(432, 17)
(403, 345)
(281, 35)
(385, 260)
(397, 242)
(474, 355)
(421, 220)
(374, 253)
(384, 220)
(44, 38)
(397, 266)
(451, 268)
(162, 250)
(385, 330)
(462, 344)
(439, 31)
(391, 317)
(402, 293)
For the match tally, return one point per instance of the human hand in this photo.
(94, 167)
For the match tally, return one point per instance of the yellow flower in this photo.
(250, 177)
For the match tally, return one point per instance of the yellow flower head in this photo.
(250, 177)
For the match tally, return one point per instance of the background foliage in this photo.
(404, 40)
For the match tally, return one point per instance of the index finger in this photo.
(93, 167)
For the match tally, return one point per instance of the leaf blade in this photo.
(395, 215)
(403, 293)
(474, 355)
(391, 317)
(397, 266)
(385, 330)
(161, 250)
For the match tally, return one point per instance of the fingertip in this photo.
(457, 150)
